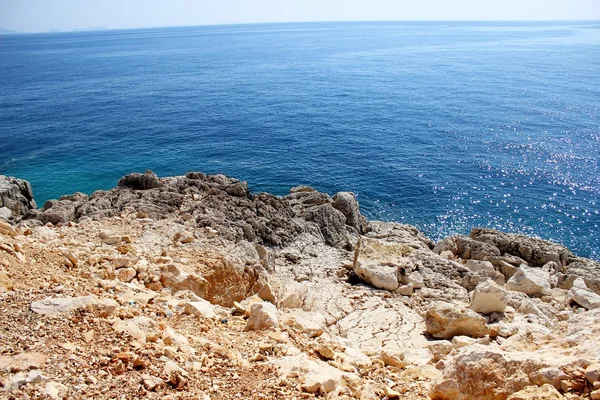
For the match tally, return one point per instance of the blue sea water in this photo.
(442, 125)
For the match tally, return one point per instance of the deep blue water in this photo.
(442, 125)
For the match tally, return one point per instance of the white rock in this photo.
(59, 305)
(583, 296)
(478, 265)
(262, 316)
(488, 297)
(311, 323)
(444, 321)
(393, 357)
(462, 341)
(530, 281)
(200, 308)
(173, 338)
(55, 390)
(177, 277)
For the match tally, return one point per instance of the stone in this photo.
(22, 362)
(381, 264)
(489, 297)
(530, 281)
(262, 316)
(444, 321)
(326, 351)
(7, 229)
(592, 373)
(534, 251)
(200, 308)
(545, 392)
(462, 341)
(347, 204)
(151, 383)
(59, 305)
(16, 195)
(393, 357)
(439, 349)
(311, 323)
(177, 277)
(21, 379)
(580, 294)
(171, 337)
(488, 373)
(5, 213)
(55, 390)
(478, 265)
(139, 328)
(125, 274)
(147, 180)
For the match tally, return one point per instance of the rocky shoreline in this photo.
(194, 287)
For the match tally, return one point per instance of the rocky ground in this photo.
(193, 287)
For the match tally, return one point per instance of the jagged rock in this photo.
(382, 264)
(5, 213)
(331, 223)
(347, 204)
(262, 316)
(16, 195)
(55, 306)
(177, 277)
(534, 251)
(580, 294)
(530, 281)
(439, 349)
(472, 279)
(444, 321)
(545, 392)
(486, 373)
(488, 297)
(136, 181)
(588, 270)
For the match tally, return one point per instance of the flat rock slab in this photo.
(22, 362)
(60, 305)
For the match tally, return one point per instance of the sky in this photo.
(43, 15)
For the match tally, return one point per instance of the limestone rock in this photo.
(444, 321)
(22, 362)
(381, 264)
(478, 265)
(16, 195)
(487, 373)
(55, 390)
(139, 328)
(488, 297)
(592, 373)
(534, 251)
(262, 316)
(60, 305)
(311, 323)
(136, 181)
(530, 281)
(177, 277)
(21, 379)
(200, 308)
(439, 349)
(580, 294)
(393, 357)
(347, 204)
(545, 392)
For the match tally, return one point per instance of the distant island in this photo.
(7, 32)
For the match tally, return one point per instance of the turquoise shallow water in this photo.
(441, 125)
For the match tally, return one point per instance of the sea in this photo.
(442, 125)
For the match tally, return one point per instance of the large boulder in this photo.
(178, 277)
(445, 320)
(16, 195)
(583, 296)
(384, 265)
(347, 204)
(137, 181)
(531, 281)
(488, 297)
(262, 316)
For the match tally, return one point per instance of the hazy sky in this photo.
(42, 15)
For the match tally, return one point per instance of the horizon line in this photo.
(104, 28)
